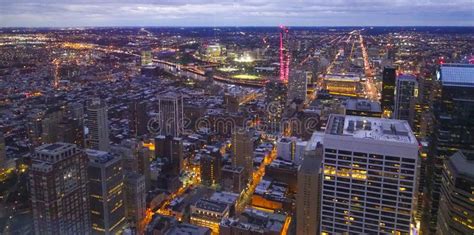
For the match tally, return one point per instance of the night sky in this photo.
(63, 13)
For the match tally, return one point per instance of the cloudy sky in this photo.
(235, 13)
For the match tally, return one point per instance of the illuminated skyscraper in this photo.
(211, 165)
(456, 209)
(388, 90)
(97, 123)
(284, 54)
(370, 176)
(454, 125)
(406, 98)
(106, 189)
(59, 190)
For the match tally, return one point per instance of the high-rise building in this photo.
(456, 209)
(71, 131)
(59, 190)
(135, 198)
(309, 187)
(138, 119)
(370, 175)
(97, 123)
(389, 76)
(297, 85)
(171, 119)
(242, 150)
(406, 97)
(291, 149)
(3, 151)
(210, 166)
(106, 189)
(170, 149)
(232, 179)
(454, 125)
(276, 98)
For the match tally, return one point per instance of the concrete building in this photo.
(97, 123)
(309, 189)
(363, 107)
(291, 149)
(242, 150)
(297, 85)
(59, 190)
(456, 209)
(106, 189)
(233, 179)
(138, 118)
(135, 198)
(210, 166)
(406, 97)
(370, 175)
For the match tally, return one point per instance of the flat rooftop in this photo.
(53, 149)
(388, 130)
(363, 105)
(463, 162)
(457, 75)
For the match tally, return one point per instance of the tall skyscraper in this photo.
(211, 165)
(276, 98)
(71, 131)
(456, 209)
(106, 189)
(135, 198)
(454, 125)
(308, 197)
(138, 119)
(406, 97)
(171, 150)
(389, 76)
(297, 85)
(242, 150)
(171, 117)
(97, 123)
(370, 175)
(59, 190)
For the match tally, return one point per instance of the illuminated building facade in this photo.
(209, 213)
(345, 85)
(97, 123)
(211, 168)
(389, 76)
(106, 189)
(370, 175)
(284, 54)
(456, 207)
(454, 125)
(146, 58)
(59, 190)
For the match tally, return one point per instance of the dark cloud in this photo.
(235, 12)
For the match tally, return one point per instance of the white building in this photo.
(97, 123)
(369, 177)
(291, 149)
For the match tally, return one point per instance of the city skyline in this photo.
(179, 13)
